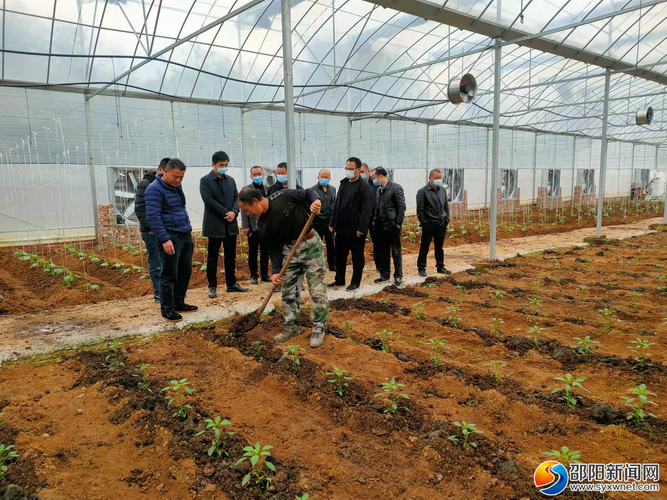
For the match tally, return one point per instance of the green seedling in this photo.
(570, 382)
(534, 304)
(467, 430)
(535, 331)
(496, 368)
(3, 422)
(459, 290)
(258, 456)
(340, 381)
(495, 323)
(7, 454)
(257, 349)
(453, 317)
(564, 456)
(143, 383)
(608, 315)
(112, 360)
(302, 497)
(419, 314)
(640, 346)
(583, 345)
(218, 443)
(634, 305)
(292, 353)
(637, 403)
(347, 325)
(497, 295)
(438, 348)
(391, 396)
(386, 340)
(90, 286)
(582, 289)
(430, 285)
(181, 390)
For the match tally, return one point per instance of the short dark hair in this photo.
(365, 165)
(380, 171)
(282, 164)
(174, 164)
(248, 195)
(219, 156)
(434, 171)
(323, 170)
(256, 166)
(355, 160)
(163, 163)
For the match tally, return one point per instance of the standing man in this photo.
(349, 222)
(218, 191)
(433, 215)
(365, 173)
(168, 219)
(281, 179)
(388, 219)
(146, 233)
(281, 218)
(371, 230)
(249, 228)
(327, 194)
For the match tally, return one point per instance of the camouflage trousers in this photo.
(309, 261)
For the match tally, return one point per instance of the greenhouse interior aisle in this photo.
(56, 329)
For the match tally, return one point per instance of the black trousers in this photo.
(346, 243)
(176, 271)
(389, 244)
(229, 248)
(328, 238)
(254, 246)
(376, 246)
(435, 233)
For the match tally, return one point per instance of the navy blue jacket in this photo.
(220, 196)
(165, 210)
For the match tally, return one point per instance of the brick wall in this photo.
(509, 205)
(583, 199)
(549, 202)
(456, 209)
(108, 232)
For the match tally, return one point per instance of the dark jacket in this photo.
(356, 216)
(374, 188)
(328, 203)
(220, 196)
(250, 221)
(389, 207)
(165, 210)
(278, 186)
(427, 206)
(140, 202)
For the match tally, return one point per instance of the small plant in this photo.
(257, 349)
(459, 298)
(453, 318)
(180, 389)
(564, 456)
(386, 339)
(535, 331)
(258, 456)
(347, 325)
(638, 415)
(419, 314)
(143, 383)
(467, 430)
(534, 304)
(633, 294)
(90, 286)
(583, 345)
(607, 313)
(7, 454)
(496, 368)
(292, 353)
(302, 497)
(391, 395)
(582, 289)
(570, 382)
(340, 381)
(640, 347)
(218, 443)
(498, 296)
(113, 360)
(437, 349)
(495, 323)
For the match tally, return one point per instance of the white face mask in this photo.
(349, 174)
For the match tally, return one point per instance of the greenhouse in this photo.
(522, 354)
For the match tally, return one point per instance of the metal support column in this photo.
(574, 171)
(603, 152)
(486, 175)
(349, 137)
(243, 157)
(535, 199)
(495, 151)
(428, 148)
(632, 171)
(173, 128)
(91, 166)
(288, 86)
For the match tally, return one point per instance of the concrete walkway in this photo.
(56, 329)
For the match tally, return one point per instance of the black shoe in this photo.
(442, 270)
(156, 298)
(172, 316)
(185, 308)
(266, 279)
(398, 282)
(382, 279)
(254, 280)
(422, 273)
(352, 287)
(212, 292)
(236, 288)
(336, 284)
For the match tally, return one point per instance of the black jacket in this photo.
(220, 196)
(427, 206)
(249, 221)
(328, 203)
(356, 216)
(389, 207)
(140, 202)
(278, 186)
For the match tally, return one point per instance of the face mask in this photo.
(364, 176)
(324, 182)
(222, 171)
(349, 174)
(437, 182)
(281, 178)
(377, 182)
(258, 180)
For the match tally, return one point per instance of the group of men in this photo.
(272, 218)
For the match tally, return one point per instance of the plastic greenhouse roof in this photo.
(358, 57)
